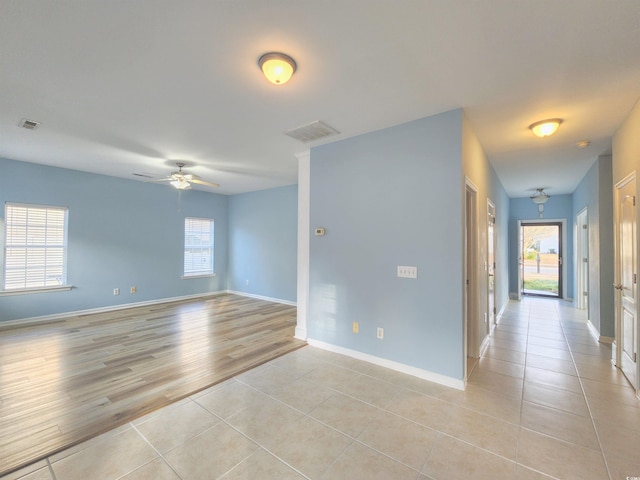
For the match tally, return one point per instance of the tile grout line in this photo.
(584, 395)
(157, 452)
(354, 439)
(51, 472)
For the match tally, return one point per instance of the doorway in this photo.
(471, 312)
(541, 254)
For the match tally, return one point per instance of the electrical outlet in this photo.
(116, 291)
(356, 327)
(133, 289)
(380, 333)
(407, 272)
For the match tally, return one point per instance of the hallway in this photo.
(544, 402)
(579, 415)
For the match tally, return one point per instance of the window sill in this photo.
(28, 291)
(198, 276)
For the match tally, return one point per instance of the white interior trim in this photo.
(563, 222)
(262, 297)
(383, 362)
(111, 308)
(304, 235)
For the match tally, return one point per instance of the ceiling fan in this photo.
(182, 180)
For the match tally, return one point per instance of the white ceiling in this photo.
(125, 87)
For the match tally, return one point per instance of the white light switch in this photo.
(407, 272)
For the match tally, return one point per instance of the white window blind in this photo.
(198, 246)
(35, 248)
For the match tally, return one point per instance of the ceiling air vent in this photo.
(28, 124)
(312, 131)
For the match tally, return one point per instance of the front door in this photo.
(541, 255)
(626, 280)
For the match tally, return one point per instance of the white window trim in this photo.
(204, 275)
(26, 291)
(213, 263)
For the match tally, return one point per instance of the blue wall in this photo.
(388, 198)
(559, 207)
(121, 233)
(263, 243)
(595, 192)
(125, 233)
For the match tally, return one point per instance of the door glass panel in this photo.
(541, 251)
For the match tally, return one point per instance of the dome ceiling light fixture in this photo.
(545, 128)
(540, 198)
(277, 67)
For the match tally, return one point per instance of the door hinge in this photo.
(584, 226)
(494, 310)
(467, 281)
(634, 278)
(585, 293)
(634, 200)
(585, 260)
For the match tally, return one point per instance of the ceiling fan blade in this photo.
(202, 182)
(153, 180)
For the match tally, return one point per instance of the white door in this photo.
(626, 280)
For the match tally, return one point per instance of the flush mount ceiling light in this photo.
(545, 128)
(583, 144)
(540, 198)
(277, 67)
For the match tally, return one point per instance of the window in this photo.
(198, 247)
(35, 248)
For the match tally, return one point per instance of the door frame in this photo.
(470, 274)
(491, 251)
(563, 269)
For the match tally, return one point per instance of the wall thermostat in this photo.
(319, 232)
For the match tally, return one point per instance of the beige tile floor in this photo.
(543, 402)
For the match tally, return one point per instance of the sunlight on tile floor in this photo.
(543, 402)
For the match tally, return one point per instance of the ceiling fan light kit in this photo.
(181, 180)
(181, 184)
(545, 128)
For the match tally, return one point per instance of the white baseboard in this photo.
(111, 308)
(596, 334)
(300, 333)
(593, 331)
(383, 362)
(262, 297)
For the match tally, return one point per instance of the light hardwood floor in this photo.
(69, 380)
